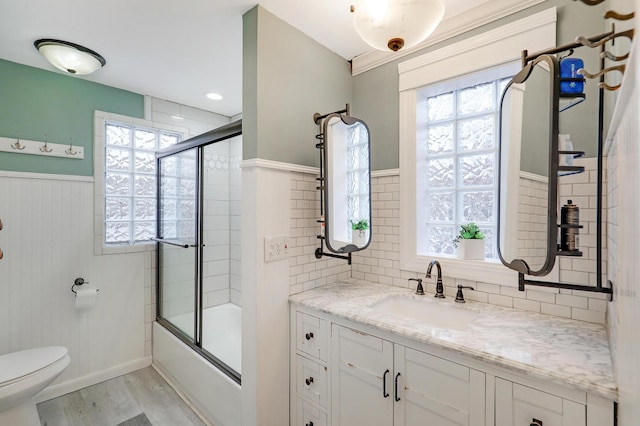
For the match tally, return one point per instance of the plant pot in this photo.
(359, 237)
(471, 249)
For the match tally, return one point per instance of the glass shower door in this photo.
(177, 233)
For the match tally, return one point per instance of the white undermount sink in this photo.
(426, 312)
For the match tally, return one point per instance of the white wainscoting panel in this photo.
(47, 242)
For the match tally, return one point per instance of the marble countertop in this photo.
(563, 351)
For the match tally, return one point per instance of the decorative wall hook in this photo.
(45, 148)
(18, 145)
(618, 16)
(70, 151)
(588, 43)
(621, 68)
(605, 86)
(587, 74)
(612, 57)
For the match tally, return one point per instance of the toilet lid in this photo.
(18, 364)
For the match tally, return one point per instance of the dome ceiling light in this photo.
(394, 24)
(70, 57)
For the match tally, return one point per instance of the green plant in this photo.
(469, 231)
(361, 225)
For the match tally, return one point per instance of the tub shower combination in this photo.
(197, 336)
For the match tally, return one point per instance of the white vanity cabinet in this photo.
(523, 405)
(345, 373)
(309, 377)
(379, 383)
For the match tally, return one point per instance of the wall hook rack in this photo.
(43, 148)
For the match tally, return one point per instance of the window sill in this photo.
(125, 248)
(486, 271)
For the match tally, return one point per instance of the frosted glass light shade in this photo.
(70, 57)
(394, 24)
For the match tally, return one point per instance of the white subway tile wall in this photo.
(380, 263)
(581, 189)
(305, 271)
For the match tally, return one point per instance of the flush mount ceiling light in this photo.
(214, 96)
(394, 24)
(70, 57)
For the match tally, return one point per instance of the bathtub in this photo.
(209, 390)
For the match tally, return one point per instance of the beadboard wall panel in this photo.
(48, 242)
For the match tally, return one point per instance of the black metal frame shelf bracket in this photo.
(522, 282)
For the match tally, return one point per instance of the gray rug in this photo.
(139, 420)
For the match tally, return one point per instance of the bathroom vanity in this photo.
(372, 354)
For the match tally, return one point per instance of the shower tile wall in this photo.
(235, 209)
(222, 199)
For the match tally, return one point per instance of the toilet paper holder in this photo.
(79, 282)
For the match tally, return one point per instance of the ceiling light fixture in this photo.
(214, 96)
(70, 57)
(394, 24)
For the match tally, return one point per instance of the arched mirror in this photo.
(347, 183)
(527, 213)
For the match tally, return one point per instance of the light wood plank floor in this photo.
(141, 398)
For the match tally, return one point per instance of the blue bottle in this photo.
(568, 70)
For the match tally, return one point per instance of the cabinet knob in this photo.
(308, 336)
(309, 424)
(310, 380)
(536, 422)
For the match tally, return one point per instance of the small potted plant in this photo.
(470, 242)
(359, 232)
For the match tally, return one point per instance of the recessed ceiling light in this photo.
(70, 57)
(214, 96)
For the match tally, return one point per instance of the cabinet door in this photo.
(361, 381)
(435, 391)
(518, 405)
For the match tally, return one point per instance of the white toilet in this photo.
(22, 375)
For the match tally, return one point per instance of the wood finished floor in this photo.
(125, 401)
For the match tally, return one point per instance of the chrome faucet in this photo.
(439, 289)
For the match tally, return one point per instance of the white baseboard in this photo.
(69, 386)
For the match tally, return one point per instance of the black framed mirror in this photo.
(347, 183)
(528, 173)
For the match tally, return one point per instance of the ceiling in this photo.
(173, 50)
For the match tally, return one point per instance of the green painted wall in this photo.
(287, 77)
(375, 92)
(36, 102)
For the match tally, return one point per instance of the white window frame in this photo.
(492, 48)
(99, 121)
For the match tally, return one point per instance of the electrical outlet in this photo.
(276, 248)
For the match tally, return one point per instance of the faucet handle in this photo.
(419, 289)
(460, 295)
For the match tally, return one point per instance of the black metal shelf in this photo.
(569, 100)
(569, 170)
(572, 253)
(576, 154)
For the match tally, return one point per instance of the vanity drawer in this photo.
(311, 335)
(310, 415)
(311, 380)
